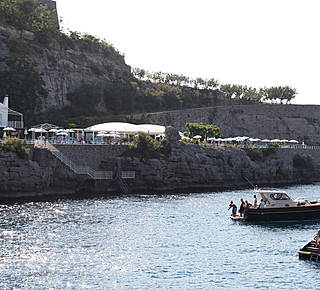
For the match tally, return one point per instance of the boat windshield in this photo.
(279, 196)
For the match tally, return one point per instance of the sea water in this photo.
(180, 241)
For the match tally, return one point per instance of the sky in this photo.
(258, 43)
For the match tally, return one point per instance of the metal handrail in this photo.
(81, 169)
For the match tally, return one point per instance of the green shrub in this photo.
(273, 145)
(16, 145)
(142, 146)
(165, 147)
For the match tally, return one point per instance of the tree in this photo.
(204, 131)
(23, 84)
(279, 93)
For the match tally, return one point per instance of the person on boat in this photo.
(255, 201)
(247, 205)
(262, 204)
(242, 207)
(234, 208)
(317, 239)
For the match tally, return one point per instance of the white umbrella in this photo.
(275, 140)
(40, 130)
(101, 134)
(197, 137)
(69, 131)
(53, 130)
(9, 129)
(62, 134)
(293, 141)
(33, 131)
(284, 141)
(114, 135)
(265, 140)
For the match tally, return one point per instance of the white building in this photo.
(4, 112)
(8, 117)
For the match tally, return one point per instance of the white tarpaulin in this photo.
(123, 128)
(153, 129)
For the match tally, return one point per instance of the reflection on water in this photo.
(177, 241)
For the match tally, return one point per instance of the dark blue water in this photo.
(177, 241)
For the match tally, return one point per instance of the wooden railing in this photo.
(15, 124)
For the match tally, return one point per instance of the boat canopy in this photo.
(274, 198)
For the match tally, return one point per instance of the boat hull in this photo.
(300, 213)
(309, 252)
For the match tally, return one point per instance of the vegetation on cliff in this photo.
(142, 146)
(24, 84)
(224, 91)
(205, 131)
(16, 145)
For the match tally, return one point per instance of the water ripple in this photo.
(147, 242)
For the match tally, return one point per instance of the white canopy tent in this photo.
(122, 128)
(153, 129)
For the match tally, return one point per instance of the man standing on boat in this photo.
(234, 208)
(262, 204)
(255, 201)
(242, 207)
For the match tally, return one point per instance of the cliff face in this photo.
(64, 64)
(191, 167)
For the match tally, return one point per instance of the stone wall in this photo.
(301, 122)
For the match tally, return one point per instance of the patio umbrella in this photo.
(9, 129)
(62, 134)
(40, 130)
(69, 131)
(114, 135)
(275, 140)
(33, 131)
(197, 137)
(265, 140)
(102, 134)
(294, 141)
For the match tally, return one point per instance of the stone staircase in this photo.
(83, 170)
(119, 176)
